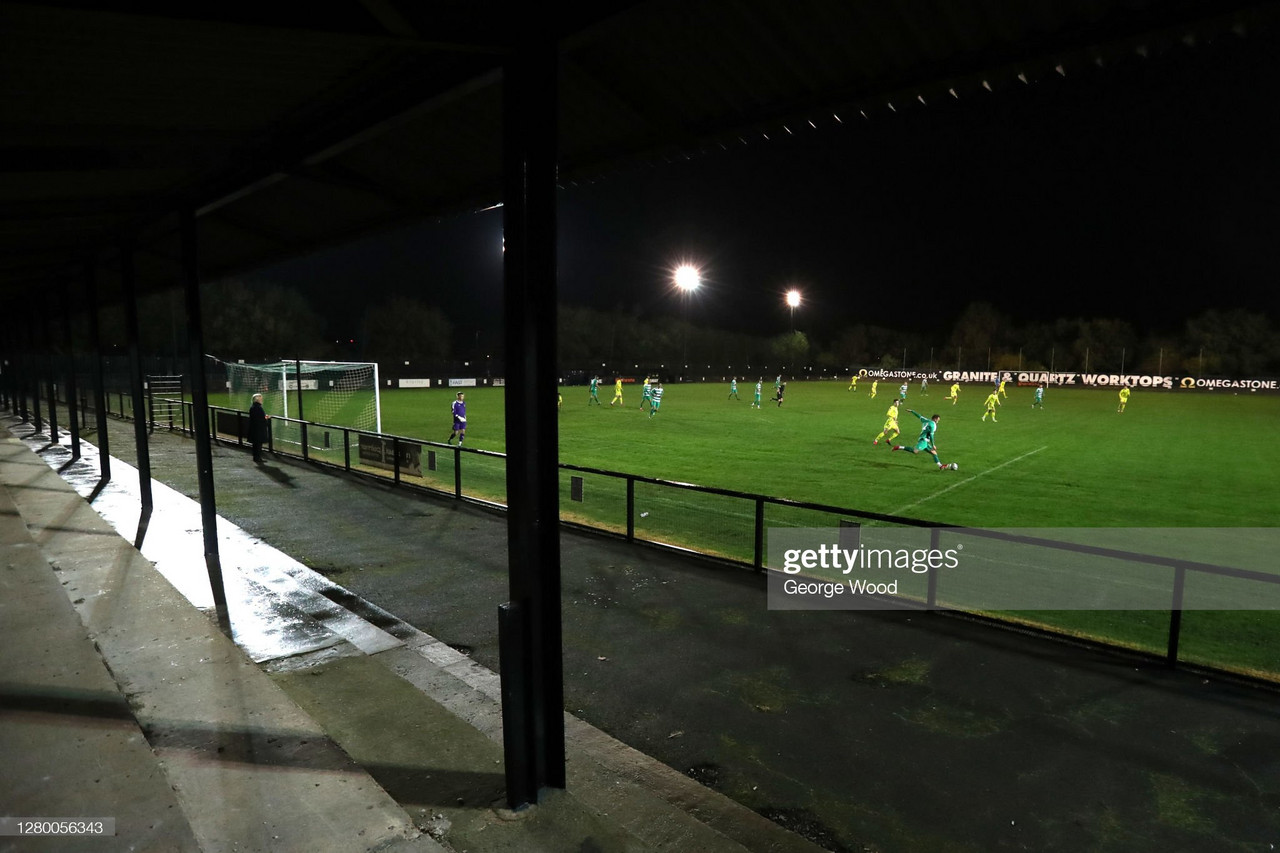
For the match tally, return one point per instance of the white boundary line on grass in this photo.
(940, 492)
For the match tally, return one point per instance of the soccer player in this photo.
(595, 392)
(459, 409)
(993, 400)
(617, 392)
(874, 383)
(646, 393)
(928, 429)
(656, 402)
(853, 383)
(924, 386)
(733, 389)
(1038, 401)
(1000, 389)
(755, 404)
(902, 392)
(890, 431)
(777, 383)
(955, 393)
(1124, 398)
(782, 391)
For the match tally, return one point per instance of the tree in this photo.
(259, 322)
(791, 351)
(1104, 344)
(850, 349)
(405, 329)
(1236, 342)
(978, 328)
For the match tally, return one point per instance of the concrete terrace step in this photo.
(69, 739)
(369, 710)
(184, 717)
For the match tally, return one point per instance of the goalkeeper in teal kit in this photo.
(928, 428)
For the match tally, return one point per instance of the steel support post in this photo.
(200, 417)
(129, 283)
(73, 388)
(29, 365)
(50, 373)
(20, 344)
(6, 362)
(99, 381)
(531, 664)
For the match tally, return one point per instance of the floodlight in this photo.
(687, 277)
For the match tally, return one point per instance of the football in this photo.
(955, 466)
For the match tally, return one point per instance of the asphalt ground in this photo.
(889, 731)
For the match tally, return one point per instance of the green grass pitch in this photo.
(1171, 460)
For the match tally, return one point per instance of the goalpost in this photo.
(336, 393)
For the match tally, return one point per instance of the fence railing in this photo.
(730, 526)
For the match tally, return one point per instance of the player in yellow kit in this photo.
(1000, 390)
(853, 383)
(874, 383)
(993, 400)
(1124, 398)
(890, 431)
(954, 396)
(617, 391)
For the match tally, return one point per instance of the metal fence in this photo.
(729, 526)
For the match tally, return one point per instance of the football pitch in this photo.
(1172, 464)
(1170, 460)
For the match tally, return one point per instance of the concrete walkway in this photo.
(325, 732)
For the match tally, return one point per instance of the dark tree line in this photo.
(258, 321)
(1226, 343)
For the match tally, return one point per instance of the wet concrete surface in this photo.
(120, 700)
(278, 608)
(862, 731)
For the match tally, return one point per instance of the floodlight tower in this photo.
(793, 302)
(687, 279)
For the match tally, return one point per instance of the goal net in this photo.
(334, 393)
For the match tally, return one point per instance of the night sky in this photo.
(1147, 191)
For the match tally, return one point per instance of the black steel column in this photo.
(73, 389)
(6, 360)
(532, 669)
(302, 418)
(33, 380)
(200, 418)
(20, 343)
(99, 381)
(50, 359)
(130, 285)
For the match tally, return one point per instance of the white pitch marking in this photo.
(901, 510)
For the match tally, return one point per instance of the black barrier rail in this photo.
(384, 456)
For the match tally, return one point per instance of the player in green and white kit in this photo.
(755, 404)
(595, 391)
(656, 402)
(1038, 402)
(733, 389)
(646, 393)
(928, 429)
